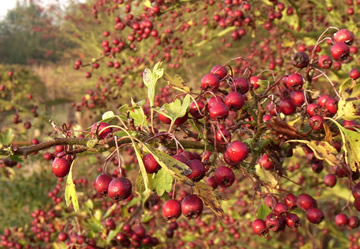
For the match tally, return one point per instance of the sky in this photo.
(6, 5)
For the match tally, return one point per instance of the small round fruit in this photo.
(224, 176)
(237, 151)
(266, 162)
(280, 209)
(340, 51)
(305, 202)
(290, 201)
(292, 220)
(356, 191)
(259, 227)
(331, 105)
(286, 107)
(220, 71)
(210, 81)
(151, 165)
(60, 167)
(354, 74)
(194, 110)
(197, 168)
(341, 220)
(294, 80)
(316, 123)
(312, 109)
(191, 206)
(330, 180)
(314, 215)
(218, 110)
(297, 97)
(102, 183)
(241, 84)
(344, 35)
(275, 223)
(300, 59)
(62, 236)
(223, 136)
(119, 188)
(212, 182)
(325, 62)
(235, 101)
(354, 222)
(171, 209)
(102, 130)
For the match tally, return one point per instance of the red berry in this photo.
(171, 209)
(234, 100)
(119, 188)
(194, 110)
(60, 167)
(241, 84)
(354, 222)
(218, 110)
(266, 162)
(341, 220)
(340, 51)
(102, 183)
(275, 223)
(330, 180)
(102, 131)
(314, 215)
(316, 122)
(356, 191)
(325, 61)
(224, 176)
(212, 182)
(294, 80)
(354, 74)
(286, 107)
(62, 236)
(151, 165)
(237, 151)
(292, 220)
(290, 201)
(305, 202)
(191, 206)
(344, 35)
(197, 168)
(210, 81)
(297, 97)
(259, 227)
(220, 71)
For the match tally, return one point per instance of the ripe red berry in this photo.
(171, 209)
(194, 110)
(259, 227)
(280, 209)
(60, 167)
(102, 131)
(294, 80)
(292, 220)
(286, 107)
(305, 202)
(62, 236)
(354, 222)
(290, 201)
(234, 100)
(218, 110)
(237, 151)
(102, 183)
(354, 74)
(341, 220)
(325, 61)
(119, 188)
(275, 223)
(220, 71)
(316, 122)
(210, 81)
(313, 109)
(266, 162)
(340, 51)
(344, 35)
(212, 182)
(297, 98)
(356, 191)
(224, 176)
(314, 215)
(151, 165)
(330, 180)
(223, 136)
(191, 206)
(241, 85)
(197, 168)
(331, 105)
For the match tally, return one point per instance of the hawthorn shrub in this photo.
(259, 150)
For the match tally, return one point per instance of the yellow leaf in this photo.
(322, 150)
(177, 83)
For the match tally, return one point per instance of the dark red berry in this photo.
(266, 162)
(224, 176)
(305, 202)
(191, 206)
(330, 180)
(325, 61)
(119, 188)
(341, 220)
(286, 107)
(197, 111)
(292, 220)
(314, 215)
(234, 100)
(316, 122)
(300, 59)
(259, 227)
(344, 35)
(218, 110)
(151, 165)
(210, 81)
(237, 151)
(354, 222)
(60, 167)
(220, 71)
(340, 51)
(197, 168)
(241, 85)
(275, 223)
(102, 131)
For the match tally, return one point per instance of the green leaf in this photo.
(138, 114)
(108, 115)
(89, 204)
(162, 182)
(263, 85)
(175, 109)
(109, 211)
(322, 150)
(263, 211)
(351, 145)
(150, 79)
(174, 167)
(95, 225)
(112, 234)
(146, 193)
(177, 83)
(7, 137)
(70, 191)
